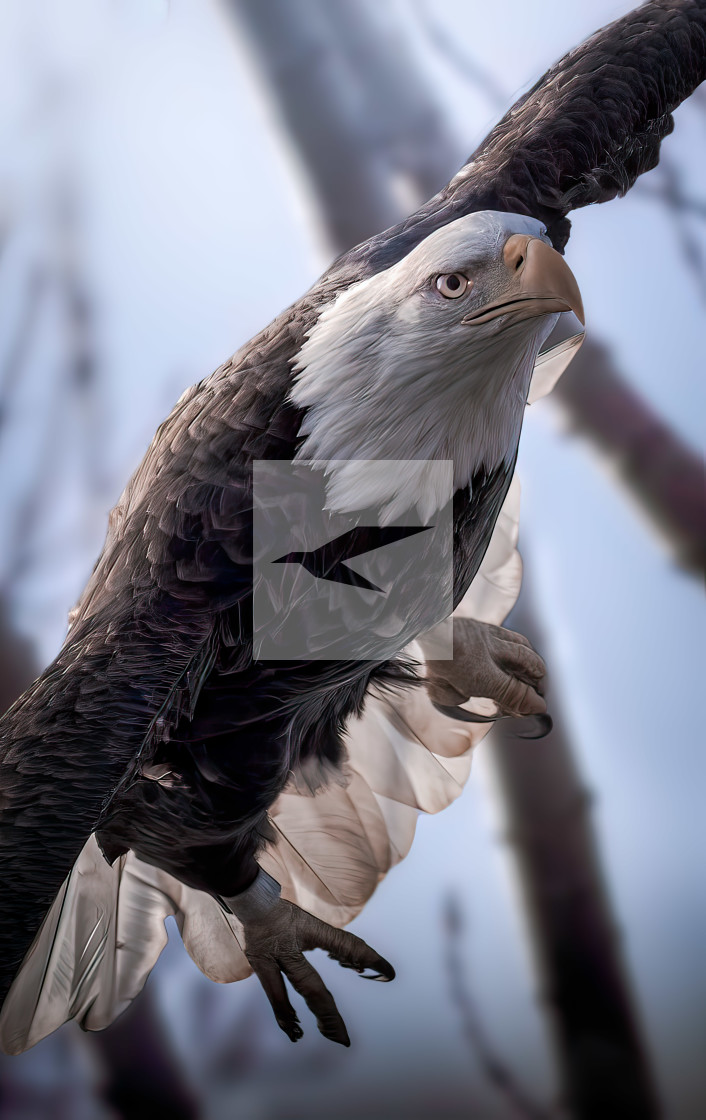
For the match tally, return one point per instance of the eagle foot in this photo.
(492, 662)
(277, 934)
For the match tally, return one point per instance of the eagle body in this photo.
(154, 723)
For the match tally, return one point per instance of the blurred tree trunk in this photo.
(661, 475)
(583, 983)
(372, 142)
(143, 1080)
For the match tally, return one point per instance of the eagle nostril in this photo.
(515, 252)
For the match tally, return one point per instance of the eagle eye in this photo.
(452, 284)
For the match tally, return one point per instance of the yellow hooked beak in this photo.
(546, 283)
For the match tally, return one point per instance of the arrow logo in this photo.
(326, 561)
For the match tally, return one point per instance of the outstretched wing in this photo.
(583, 134)
(142, 637)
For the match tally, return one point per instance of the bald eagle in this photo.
(156, 734)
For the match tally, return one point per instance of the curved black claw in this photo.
(454, 712)
(385, 971)
(543, 724)
(293, 1031)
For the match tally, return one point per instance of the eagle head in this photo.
(430, 359)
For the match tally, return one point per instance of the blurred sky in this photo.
(194, 229)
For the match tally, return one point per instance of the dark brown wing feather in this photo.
(583, 134)
(142, 634)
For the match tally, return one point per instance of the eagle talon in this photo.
(293, 1031)
(491, 662)
(542, 721)
(277, 933)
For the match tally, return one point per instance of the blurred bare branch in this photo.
(673, 197)
(82, 367)
(494, 1069)
(574, 935)
(75, 370)
(14, 361)
(21, 543)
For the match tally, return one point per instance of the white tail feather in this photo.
(92, 954)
